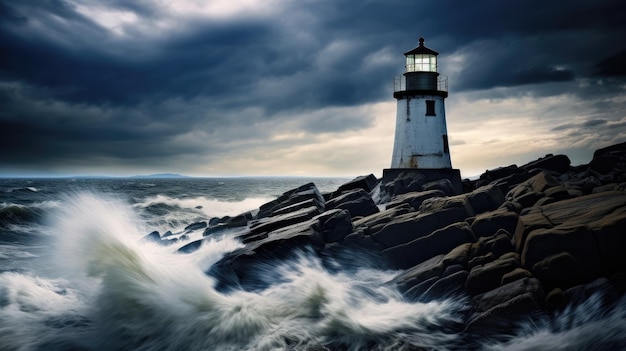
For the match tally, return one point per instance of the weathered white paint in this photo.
(419, 140)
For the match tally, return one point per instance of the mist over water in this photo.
(84, 280)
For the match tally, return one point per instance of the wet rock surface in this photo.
(520, 241)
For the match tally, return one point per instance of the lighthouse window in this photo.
(446, 147)
(430, 108)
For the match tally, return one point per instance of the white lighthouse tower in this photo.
(421, 146)
(421, 139)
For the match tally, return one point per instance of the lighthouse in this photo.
(420, 145)
(421, 139)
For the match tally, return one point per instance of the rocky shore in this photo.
(518, 242)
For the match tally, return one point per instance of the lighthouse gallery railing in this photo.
(399, 83)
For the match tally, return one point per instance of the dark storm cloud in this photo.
(614, 65)
(70, 88)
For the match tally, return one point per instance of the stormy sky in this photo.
(299, 87)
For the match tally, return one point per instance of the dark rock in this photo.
(610, 235)
(447, 287)
(604, 164)
(486, 198)
(312, 202)
(291, 197)
(414, 199)
(481, 260)
(498, 173)
(578, 241)
(558, 193)
(153, 237)
(366, 183)
(281, 221)
(239, 268)
(458, 255)
(415, 292)
(213, 229)
(586, 184)
(498, 245)
(489, 276)
(532, 187)
(546, 200)
(428, 269)
(218, 224)
(452, 269)
(377, 221)
(610, 150)
(555, 299)
(558, 163)
(191, 247)
(529, 199)
(444, 185)
(336, 225)
(516, 274)
(563, 270)
(195, 226)
(239, 220)
(573, 212)
(410, 226)
(439, 242)
(503, 319)
(407, 182)
(607, 292)
(506, 292)
(359, 240)
(489, 223)
(498, 310)
(358, 202)
(459, 202)
(215, 221)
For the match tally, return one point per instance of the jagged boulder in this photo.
(486, 198)
(238, 268)
(406, 183)
(358, 202)
(529, 192)
(411, 226)
(373, 223)
(414, 199)
(152, 237)
(574, 212)
(418, 274)
(366, 183)
(497, 311)
(439, 242)
(312, 202)
(489, 276)
(195, 226)
(489, 223)
(291, 197)
(266, 225)
(558, 163)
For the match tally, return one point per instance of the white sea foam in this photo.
(209, 206)
(587, 326)
(144, 297)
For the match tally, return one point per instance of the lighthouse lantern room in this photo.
(421, 138)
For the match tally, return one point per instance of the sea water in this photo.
(75, 275)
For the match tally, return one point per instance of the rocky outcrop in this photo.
(519, 240)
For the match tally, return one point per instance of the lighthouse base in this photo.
(429, 174)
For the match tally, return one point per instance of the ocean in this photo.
(75, 274)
